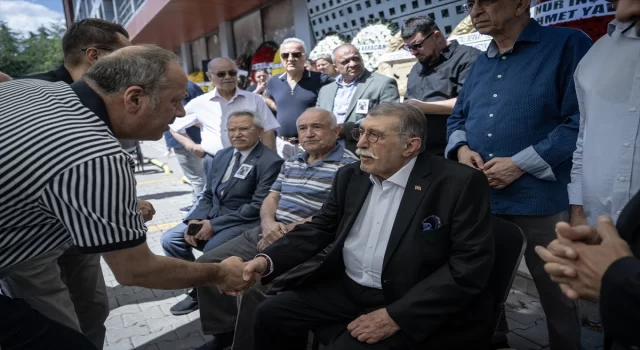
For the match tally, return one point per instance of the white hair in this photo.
(295, 40)
(334, 120)
(257, 122)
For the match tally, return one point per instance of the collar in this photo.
(400, 178)
(335, 155)
(92, 100)
(623, 27)
(530, 34)
(62, 74)
(354, 82)
(246, 152)
(215, 94)
(305, 75)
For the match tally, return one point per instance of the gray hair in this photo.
(325, 57)
(142, 65)
(333, 53)
(295, 40)
(257, 122)
(334, 121)
(411, 121)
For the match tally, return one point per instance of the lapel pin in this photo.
(417, 188)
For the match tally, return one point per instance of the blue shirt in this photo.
(193, 91)
(343, 98)
(522, 104)
(290, 103)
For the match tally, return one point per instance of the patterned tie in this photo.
(236, 166)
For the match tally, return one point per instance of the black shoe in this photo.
(185, 209)
(220, 342)
(186, 306)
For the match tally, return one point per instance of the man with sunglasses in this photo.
(437, 78)
(517, 120)
(213, 109)
(292, 92)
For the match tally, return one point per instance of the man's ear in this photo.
(412, 146)
(132, 98)
(92, 55)
(523, 6)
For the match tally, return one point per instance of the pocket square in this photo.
(431, 223)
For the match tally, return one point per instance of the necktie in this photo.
(234, 170)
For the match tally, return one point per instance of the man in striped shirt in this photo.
(71, 183)
(301, 188)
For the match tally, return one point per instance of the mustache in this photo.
(365, 153)
(227, 81)
(239, 139)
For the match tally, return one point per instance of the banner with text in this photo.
(560, 11)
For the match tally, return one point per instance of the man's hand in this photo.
(233, 282)
(271, 232)
(250, 274)
(501, 172)
(373, 327)
(260, 88)
(146, 210)
(197, 150)
(577, 217)
(206, 232)
(416, 103)
(582, 276)
(468, 157)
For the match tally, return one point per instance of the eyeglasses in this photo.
(242, 129)
(294, 55)
(416, 46)
(99, 47)
(481, 3)
(372, 136)
(222, 74)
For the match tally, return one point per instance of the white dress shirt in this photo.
(245, 154)
(366, 244)
(212, 112)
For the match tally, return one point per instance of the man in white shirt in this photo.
(212, 111)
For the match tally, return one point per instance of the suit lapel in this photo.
(251, 160)
(220, 170)
(363, 84)
(414, 193)
(358, 190)
(329, 97)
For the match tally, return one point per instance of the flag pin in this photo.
(418, 188)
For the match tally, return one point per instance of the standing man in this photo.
(324, 65)
(83, 44)
(291, 93)
(606, 163)
(213, 109)
(260, 86)
(522, 135)
(355, 91)
(437, 78)
(191, 164)
(132, 93)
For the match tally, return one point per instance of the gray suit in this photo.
(373, 87)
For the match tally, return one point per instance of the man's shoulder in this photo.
(467, 51)
(382, 79)
(49, 76)
(565, 34)
(269, 156)
(452, 170)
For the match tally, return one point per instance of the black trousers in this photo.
(284, 321)
(23, 328)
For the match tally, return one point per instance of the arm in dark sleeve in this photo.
(620, 301)
(308, 239)
(447, 291)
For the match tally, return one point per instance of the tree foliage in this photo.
(32, 53)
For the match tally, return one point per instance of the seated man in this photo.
(411, 251)
(237, 181)
(355, 91)
(302, 187)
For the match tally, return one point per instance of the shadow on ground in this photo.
(163, 195)
(187, 336)
(123, 295)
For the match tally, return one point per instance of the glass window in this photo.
(445, 13)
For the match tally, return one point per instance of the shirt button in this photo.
(495, 95)
(491, 115)
(621, 178)
(504, 57)
(489, 135)
(499, 76)
(633, 109)
(627, 144)
(490, 154)
(618, 212)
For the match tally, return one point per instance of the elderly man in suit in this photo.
(238, 180)
(411, 251)
(355, 91)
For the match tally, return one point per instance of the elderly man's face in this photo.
(315, 133)
(242, 132)
(381, 148)
(349, 62)
(493, 17)
(627, 10)
(224, 75)
(293, 57)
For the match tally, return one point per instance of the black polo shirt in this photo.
(290, 103)
(59, 74)
(438, 82)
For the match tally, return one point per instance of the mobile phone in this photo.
(192, 229)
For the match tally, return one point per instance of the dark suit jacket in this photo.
(59, 74)
(240, 204)
(620, 291)
(374, 87)
(429, 278)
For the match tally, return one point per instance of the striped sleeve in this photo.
(96, 202)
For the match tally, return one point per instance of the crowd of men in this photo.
(321, 203)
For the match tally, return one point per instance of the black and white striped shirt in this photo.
(63, 174)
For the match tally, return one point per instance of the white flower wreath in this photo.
(372, 41)
(325, 47)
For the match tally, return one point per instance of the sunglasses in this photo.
(294, 55)
(416, 46)
(222, 74)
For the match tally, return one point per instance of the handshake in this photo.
(235, 276)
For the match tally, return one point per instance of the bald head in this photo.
(4, 77)
(348, 62)
(223, 73)
(216, 63)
